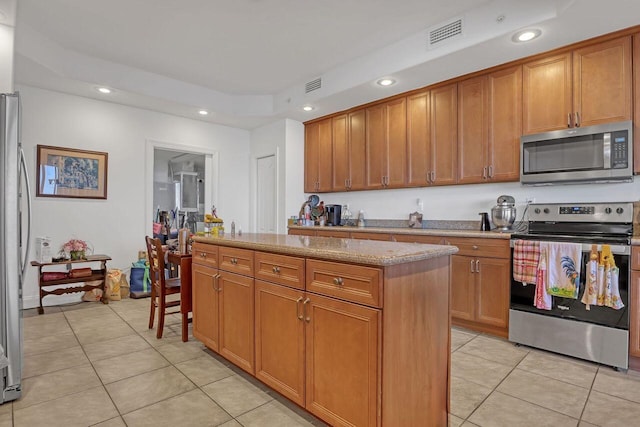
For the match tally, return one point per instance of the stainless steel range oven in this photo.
(568, 326)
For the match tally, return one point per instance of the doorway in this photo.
(181, 184)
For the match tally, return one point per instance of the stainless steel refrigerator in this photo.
(14, 226)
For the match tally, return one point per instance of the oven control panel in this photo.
(581, 212)
(578, 210)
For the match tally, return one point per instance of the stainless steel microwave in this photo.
(601, 153)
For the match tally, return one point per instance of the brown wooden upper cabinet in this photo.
(349, 151)
(587, 86)
(386, 144)
(318, 156)
(489, 127)
(432, 137)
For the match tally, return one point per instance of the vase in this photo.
(76, 255)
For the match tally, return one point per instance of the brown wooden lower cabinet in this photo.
(223, 312)
(385, 362)
(480, 284)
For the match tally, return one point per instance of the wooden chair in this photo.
(161, 287)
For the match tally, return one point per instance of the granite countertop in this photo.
(366, 252)
(419, 231)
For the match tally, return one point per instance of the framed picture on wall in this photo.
(68, 172)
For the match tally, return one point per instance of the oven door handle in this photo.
(586, 247)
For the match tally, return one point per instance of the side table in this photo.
(96, 274)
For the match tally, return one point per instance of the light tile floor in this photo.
(99, 365)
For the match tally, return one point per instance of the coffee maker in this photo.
(334, 212)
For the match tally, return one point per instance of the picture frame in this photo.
(72, 173)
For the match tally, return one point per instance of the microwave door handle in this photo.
(606, 149)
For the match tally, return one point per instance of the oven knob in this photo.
(537, 210)
(619, 211)
(607, 210)
(546, 210)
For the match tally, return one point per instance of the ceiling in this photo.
(247, 61)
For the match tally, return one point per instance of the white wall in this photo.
(6, 58)
(116, 226)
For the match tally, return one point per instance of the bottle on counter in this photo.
(361, 218)
(233, 228)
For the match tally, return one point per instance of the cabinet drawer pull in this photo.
(203, 254)
(234, 261)
(298, 314)
(337, 281)
(304, 310)
(276, 269)
(475, 246)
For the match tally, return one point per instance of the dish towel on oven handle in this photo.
(526, 257)
(591, 288)
(563, 269)
(542, 300)
(602, 285)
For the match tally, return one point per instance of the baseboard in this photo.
(33, 301)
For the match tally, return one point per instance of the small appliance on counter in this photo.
(503, 215)
(333, 214)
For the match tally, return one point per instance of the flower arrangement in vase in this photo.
(76, 249)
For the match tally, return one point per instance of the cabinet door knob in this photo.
(304, 310)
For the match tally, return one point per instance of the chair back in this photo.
(155, 255)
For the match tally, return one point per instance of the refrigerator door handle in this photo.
(23, 167)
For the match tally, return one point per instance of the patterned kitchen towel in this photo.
(542, 300)
(526, 257)
(563, 269)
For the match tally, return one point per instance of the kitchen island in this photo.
(356, 332)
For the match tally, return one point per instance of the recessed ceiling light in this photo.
(104, 90)
(386, 82)
(526, 35)
(307, 108)
(203, 112)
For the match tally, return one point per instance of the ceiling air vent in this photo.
(445, 32)
(313, 85)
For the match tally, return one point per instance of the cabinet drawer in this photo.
(333, 233)
(635, 257)
(348, 282)
(370, 236)
(491, 248)
(204, 254)
(236, 260)
(281, 269)
(419, 238)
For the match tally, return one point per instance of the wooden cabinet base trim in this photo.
(474, 326)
